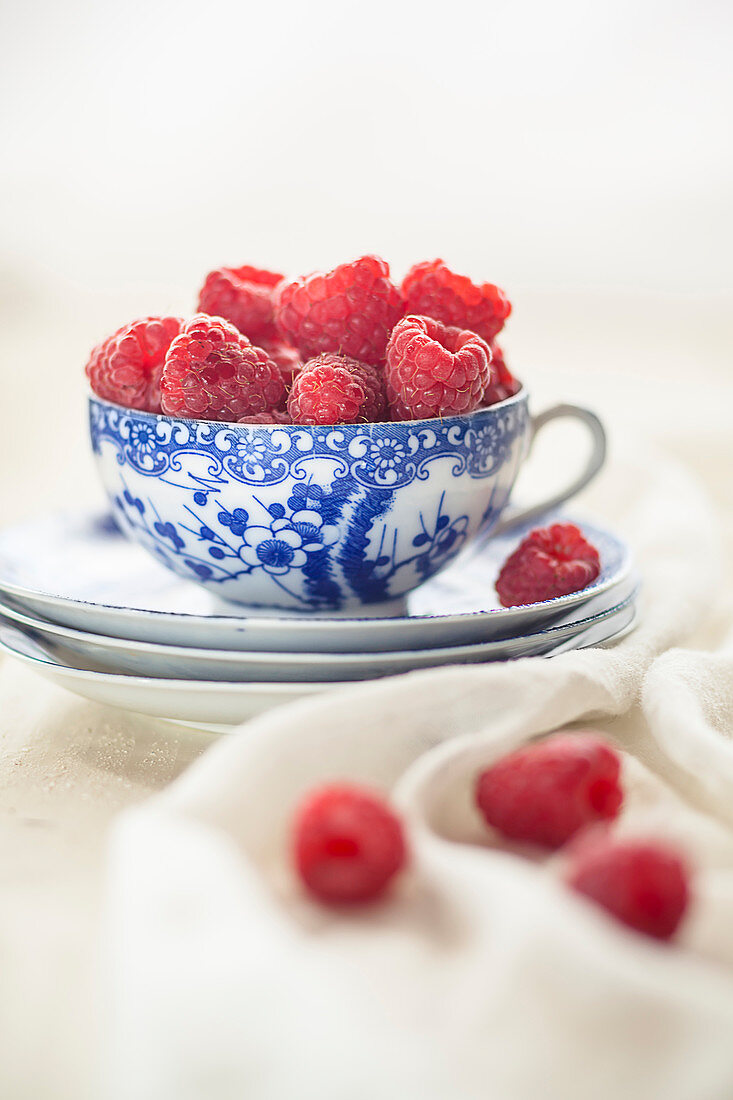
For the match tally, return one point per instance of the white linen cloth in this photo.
(180, 960)
(481, 976)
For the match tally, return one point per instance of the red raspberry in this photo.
(502, 384)
(433, 290)
(433, 370)
(273, 417)
(243, 296)
(546, 792)
(644, 884)
(287, 358)
(213, 372)
(347, 844)
(333, 389)
(126, 368)
(549, 562)
(374, 408)
(351, 310)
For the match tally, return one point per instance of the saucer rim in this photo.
(294, 659)
(243, 688)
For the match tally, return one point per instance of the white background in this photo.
(578, 154)
(538, 145)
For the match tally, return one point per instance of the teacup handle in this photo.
(514, 517)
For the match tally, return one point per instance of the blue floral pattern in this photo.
(313, 517)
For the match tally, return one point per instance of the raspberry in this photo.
(243, 296)
(644, 884)
(351, 310)
(287, 358)
(347, 844)
(502, 383)
(126, 368)
(545, 793)
(333, 389)
(549, 562)
(374, 408)
(273, 417)
(433, 370)
(213, 372)
(433, 290)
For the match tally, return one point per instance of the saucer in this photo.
(79, 571)
(116, 655)
(202, 703)
(216, 703)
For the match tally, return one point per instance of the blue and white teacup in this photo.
(319, 519)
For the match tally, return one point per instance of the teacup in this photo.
(319, 519)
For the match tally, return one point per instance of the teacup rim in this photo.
(460, 418)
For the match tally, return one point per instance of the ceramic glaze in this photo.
(316, 518)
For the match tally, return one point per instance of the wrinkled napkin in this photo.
(481, 975)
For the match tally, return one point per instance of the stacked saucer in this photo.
(92, 611)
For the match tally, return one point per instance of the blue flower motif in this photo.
(394, 457)
(305, 496)
(386, 453)
(200, 570)
(134, 502)
(236, 521)
(488, 446)
(328, 503)
(448, 538)
(168, 531)
(142, 438)
(251, 457)
(285, 545)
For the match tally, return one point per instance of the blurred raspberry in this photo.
(644, 884)
(334, 389)
(126, 368)
(502, 383)
(549, 562)
(544, 793)
(274, 417)
(347, 844)
(433, 290)
(243, 296)
(213, 372)
(350, 310)
(286, 357)
(433, 370)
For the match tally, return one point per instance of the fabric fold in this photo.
(481, 974)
